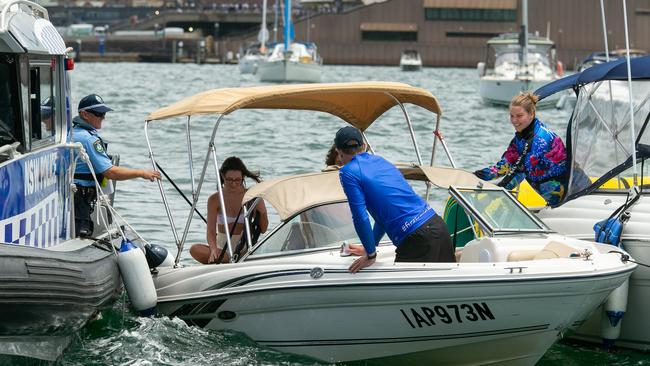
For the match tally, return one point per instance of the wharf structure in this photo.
(454, 32)
(446, 33)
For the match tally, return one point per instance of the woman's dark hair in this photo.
(332, 154)
(235, 163)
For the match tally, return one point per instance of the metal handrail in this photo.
(410, 126)
(31, 5)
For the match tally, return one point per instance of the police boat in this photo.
(513, 291)
(51, 283)
(609, 142)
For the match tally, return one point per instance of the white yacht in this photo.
(511, 294)
(410, 61)
(291, 61)
(601, 146)
(300, 64)
(517, 62)
(508, 76)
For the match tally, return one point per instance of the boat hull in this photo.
(249, 64)
(500, 91)
(576, 218)
(411, 67)
(341, 317)
(289, 71)
(47, 295)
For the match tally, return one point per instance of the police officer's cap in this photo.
(93, 102)
(348, 137)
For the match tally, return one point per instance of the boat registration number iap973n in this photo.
(447, 314)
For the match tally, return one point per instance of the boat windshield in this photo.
(318, 227)
(497, 211)
(600, 130)
(512, 57)
(9, 115)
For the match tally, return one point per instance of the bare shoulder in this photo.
(213, 200)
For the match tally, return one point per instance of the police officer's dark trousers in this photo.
(84, 205)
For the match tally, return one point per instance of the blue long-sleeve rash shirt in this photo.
(374, 185)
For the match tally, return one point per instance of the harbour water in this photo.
(275, 143)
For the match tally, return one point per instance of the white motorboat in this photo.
(255, 54)
(291, 61)
(602, 146)
(512, 293)
(251, 60)
(410, 61)
(516, 63)
(51, 284)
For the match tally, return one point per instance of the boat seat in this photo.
(551, 250)
(555, 249)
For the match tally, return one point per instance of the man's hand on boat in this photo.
(362, 262)
(122, 173)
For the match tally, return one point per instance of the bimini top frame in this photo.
(358, 104)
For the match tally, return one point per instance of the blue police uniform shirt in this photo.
(87, 135)
(374, 185)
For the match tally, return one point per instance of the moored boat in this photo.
(291, 61)
(51, 284)
(512, 293)
(607, 146)
(410, 61)
(515, 63)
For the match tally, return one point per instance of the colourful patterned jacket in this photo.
(545, 166)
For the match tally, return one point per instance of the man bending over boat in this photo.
(92, 112)
(373, 185)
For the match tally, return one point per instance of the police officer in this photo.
(92, 112)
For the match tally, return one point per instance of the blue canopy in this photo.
(613, 70)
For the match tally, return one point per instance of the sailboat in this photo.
(522, 62)
(291, 61)
(253, 55)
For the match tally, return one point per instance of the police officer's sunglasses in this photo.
(98, 114)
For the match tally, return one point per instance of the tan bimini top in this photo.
(359, 103)
(293, 194)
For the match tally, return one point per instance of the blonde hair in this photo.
(526, 100)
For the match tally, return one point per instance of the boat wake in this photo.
(121, 338)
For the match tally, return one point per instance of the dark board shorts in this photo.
(428, 243)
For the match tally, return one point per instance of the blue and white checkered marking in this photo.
(38, 227)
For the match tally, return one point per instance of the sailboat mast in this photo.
(524, 30)
(287, 24)
(263, 28)
(275, 22)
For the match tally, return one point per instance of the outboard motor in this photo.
(158, 256)
(137, 278)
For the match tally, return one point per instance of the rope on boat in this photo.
(626, 258)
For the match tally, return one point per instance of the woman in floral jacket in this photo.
(535, 153)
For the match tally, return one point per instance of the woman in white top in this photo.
(233, 174)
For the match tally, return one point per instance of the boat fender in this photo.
(158, 256)
(137, 278)
(480, 67)
(613, 311)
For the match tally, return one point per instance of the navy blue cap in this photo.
(93, 102)
(348, 137)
